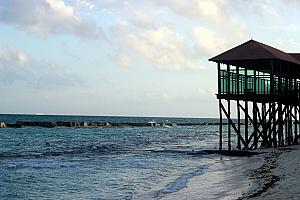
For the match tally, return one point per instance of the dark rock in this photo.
(75, 124)
(92, 124)
(151, 124)
(26, 123)
(101, 124)
(117, 124)
(67, 124)
(46, 124)
(137, 124)
(171, 124)
(14, 125)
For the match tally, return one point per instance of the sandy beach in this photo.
(278, 177)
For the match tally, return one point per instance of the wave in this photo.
(85, 150)
(180, 182)
(93, 150)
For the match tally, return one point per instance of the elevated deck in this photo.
(269, 80)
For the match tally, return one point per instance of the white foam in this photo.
(181, 182)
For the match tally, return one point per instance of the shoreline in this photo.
(278, 177)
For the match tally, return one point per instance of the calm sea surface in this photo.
(115, 163)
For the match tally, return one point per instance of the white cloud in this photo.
(219, 15)
(207, 41)
(16, 66)
(83, 5)
(12, 55)
(166, 41)
(60, 7)
(195, 9)
(122, 60)
(142, 20)
(44, 17)
(162, 47)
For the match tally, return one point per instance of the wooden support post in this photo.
(231, 123)
(255, 126)
(270, 126)
(221, 125)
(220, 107)
(295, 125)
(280, 125)
(246, 126)
(280, 112)
(219, 78)
(228, 107)
(289, 125)
(274, 124)
(286, 124)
(272, 134)
(264, 123)
(246, 113)
(239, 125)
(297, 138)
(238, 109)
(229, 127)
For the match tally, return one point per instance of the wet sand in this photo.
(278, 177)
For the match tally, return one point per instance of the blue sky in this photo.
(136, 58)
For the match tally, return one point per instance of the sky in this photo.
(129, 58)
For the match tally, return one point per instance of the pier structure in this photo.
(261, 84)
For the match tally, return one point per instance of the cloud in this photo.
(17, 66)
(218, 15)
(12, 55)
(194, 9)
(162, 47)
(44, 17)
(175, 34)
(142, 20)
(122, 60)
(83, 5)
(207, 41)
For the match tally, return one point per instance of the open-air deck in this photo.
(256, 86)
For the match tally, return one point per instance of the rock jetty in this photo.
(47, 124)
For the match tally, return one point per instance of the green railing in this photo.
(242, 84)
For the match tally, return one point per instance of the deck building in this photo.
(262, 84)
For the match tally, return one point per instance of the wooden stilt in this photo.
(255, 126)
(274, 125)
(280, 124)
(295, 125)
(229, 127)
(246, 126)
(221, 125)
(264, 123)
(239, 125)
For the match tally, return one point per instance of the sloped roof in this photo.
(295, 55)
(253, 50)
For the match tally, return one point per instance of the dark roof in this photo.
(295, 55)
(253, 50)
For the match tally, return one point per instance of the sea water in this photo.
(116, 163)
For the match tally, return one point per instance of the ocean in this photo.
(117, 162)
